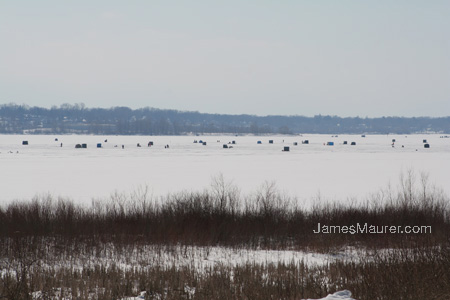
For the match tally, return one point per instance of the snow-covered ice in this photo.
(334, 172)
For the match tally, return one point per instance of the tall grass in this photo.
(220, 216)
(44, 241)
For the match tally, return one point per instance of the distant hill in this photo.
(20, 119)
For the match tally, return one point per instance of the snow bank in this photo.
(341, 295)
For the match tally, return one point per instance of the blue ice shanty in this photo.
(99, 145)
(330, 144)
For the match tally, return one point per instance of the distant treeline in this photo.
(76, 118)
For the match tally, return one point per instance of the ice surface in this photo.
(335, 172)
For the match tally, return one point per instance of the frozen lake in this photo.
(336, 172)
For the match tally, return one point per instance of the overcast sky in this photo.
(290, 57)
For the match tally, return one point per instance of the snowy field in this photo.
(336, 172)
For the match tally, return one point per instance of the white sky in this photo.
(346, 58)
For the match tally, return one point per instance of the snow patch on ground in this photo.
(201, 258)
(341, 295)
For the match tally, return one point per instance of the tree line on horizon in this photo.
(78, 119)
